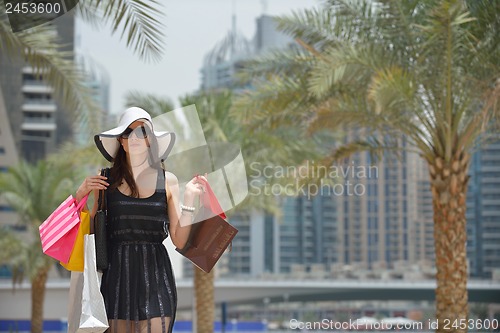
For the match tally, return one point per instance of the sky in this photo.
(193, 27)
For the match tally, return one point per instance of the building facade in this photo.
(223, 62)
(483, 210)
(38, 122)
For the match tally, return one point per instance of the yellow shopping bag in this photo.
(75, 262)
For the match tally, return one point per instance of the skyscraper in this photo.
(222, 63)
(483, 210)
(38, 122)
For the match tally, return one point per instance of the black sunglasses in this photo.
(141, 132)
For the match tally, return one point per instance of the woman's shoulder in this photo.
(171, 179)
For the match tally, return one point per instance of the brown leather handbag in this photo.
(209, 238)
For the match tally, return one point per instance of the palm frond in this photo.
(314, 26)
(86, 157)
(345, 66)
(376, 147)
(34, 191)
(274, 101)
(391, 89)
(291, 62)
(14, 254)
(140, 23)
(87, 13)
(354, 16)
(155, 105)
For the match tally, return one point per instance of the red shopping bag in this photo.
(209, 238)
(58, 232)
(209, 200)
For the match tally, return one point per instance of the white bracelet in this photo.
(188, 208)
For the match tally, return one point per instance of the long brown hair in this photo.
(121, 170)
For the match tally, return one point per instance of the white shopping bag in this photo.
(87, 313)
(75, 301)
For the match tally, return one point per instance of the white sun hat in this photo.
(108, 144)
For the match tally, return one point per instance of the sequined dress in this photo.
(138, 286)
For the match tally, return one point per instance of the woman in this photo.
(143, 208)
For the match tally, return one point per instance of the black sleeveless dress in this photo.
(139, 283)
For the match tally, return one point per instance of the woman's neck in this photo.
(138, 163)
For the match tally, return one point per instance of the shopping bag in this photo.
(93, 317)
(209, 200)
(75, 301)
(75, 262)
(58, 232)
(209, 238)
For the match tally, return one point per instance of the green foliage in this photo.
(427, 70)
(33, 191)
(140, 23)
(155, 105)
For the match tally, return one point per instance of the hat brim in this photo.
(108, 144)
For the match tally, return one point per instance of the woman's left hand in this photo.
(196, 186)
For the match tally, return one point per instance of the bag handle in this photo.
(82, 203)
(210, 200)
(102, 202)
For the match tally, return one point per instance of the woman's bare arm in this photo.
(180, 223)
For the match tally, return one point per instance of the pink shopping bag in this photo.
(58, 232)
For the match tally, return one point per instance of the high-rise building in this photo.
(483, 210)
(222, 63)
(38, 122)
(424, 225)
(367, 220)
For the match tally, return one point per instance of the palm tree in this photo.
(33, 191)
(204, 299)
(427, 71)
(140, 22)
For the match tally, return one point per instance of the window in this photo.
(2, 150)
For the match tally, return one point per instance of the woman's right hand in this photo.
(91, 183)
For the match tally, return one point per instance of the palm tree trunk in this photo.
(449, 189)
(37, 299)
(205, 307)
